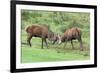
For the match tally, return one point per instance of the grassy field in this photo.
(58, 22)
(53, 53)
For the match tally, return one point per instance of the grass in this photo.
(53, 53)
(57, 21)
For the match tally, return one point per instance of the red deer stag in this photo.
(72, 34)
(41, 31)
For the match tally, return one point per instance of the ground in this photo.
(53, 53)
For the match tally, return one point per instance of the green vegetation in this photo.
(58, 22)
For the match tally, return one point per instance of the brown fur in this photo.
(37, 31)
(72, 34)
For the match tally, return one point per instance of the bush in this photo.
(57, 21)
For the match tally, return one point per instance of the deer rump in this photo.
(37, 31)
(73, 34)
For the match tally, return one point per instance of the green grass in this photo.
(53, 53)
(57, 21)
(41, 55)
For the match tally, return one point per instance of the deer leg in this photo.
(46, 42)
(54, 42)
(28, 40)
(81, 44)
(42, 43)
(65, 44)
(72, 44)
